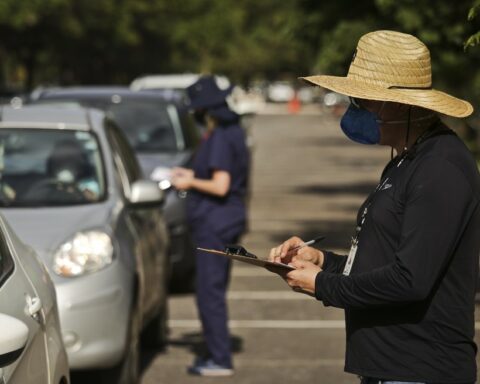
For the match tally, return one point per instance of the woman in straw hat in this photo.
(408, 283)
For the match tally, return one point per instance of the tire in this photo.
(128, 370)
(155, 334)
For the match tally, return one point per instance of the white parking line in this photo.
(267, 324)
(259, 362)
(273, 324)
(267, 295)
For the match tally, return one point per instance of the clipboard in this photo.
(270, 265)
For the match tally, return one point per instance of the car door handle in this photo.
(34, 306)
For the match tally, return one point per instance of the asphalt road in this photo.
(308, 180)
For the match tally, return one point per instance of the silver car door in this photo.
(129, 172)
(20, 300)
(149, 221)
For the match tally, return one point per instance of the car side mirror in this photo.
(146, 193)
(13, 339)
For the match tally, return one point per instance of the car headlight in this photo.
(86, 252)
(162, 175)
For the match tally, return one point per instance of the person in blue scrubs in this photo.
(217, 185)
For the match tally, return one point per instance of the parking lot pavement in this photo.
(308, 180)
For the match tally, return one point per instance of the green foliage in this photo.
(474, 39)
(112, 41)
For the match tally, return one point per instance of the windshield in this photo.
(40, 167)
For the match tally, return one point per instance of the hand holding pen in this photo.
(298, 249)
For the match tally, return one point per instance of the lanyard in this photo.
(368, 203)
(363, 216)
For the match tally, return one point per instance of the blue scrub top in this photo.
(224, 149)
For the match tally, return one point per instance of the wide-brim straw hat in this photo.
(393, 66)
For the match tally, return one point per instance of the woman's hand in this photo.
(286, 253)
(182, 178)
(302, 279)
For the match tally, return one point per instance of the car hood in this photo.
(45, 229)
(150, 161)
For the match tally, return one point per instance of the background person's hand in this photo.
(180, 172)
(182, 178)
(286, 253)
(302, 279)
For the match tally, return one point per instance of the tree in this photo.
(473, 39)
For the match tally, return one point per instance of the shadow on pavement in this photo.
(194, 342)
(362, 189)
(325, 142)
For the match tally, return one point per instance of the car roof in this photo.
(96, 92)
(103, 93)
(179, 81)
(173, 81)
(68, 116)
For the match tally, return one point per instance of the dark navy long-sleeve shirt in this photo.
(409, 299)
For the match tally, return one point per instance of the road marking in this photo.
(267, 295)
(273, 324)
(261, 363)
(267, 324)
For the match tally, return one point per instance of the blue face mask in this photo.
(360, 125)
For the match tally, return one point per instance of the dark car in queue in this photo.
(163, 135)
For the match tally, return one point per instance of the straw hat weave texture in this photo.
(393, 66)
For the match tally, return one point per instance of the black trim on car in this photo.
(7, 266)
(10, 357)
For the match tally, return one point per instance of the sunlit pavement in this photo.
(308, 180)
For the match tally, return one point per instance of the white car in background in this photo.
(174, 87)
(280, 92)
(31, 347)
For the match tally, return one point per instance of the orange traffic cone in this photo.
(294, 104)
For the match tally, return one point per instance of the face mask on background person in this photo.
(65, 176)
(360, 125)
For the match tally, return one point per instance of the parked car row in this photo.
(71, 187)
(85, 184)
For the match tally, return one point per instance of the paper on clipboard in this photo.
(251, 260)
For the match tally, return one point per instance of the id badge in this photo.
(350, 259)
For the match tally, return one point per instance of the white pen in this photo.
(307, 243)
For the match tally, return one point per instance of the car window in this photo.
(50, 167)
(6, 261)
(124, 158)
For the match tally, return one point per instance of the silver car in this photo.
(31, 348)
(72, 188)
(163, 135)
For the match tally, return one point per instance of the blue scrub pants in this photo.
(212, 278)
